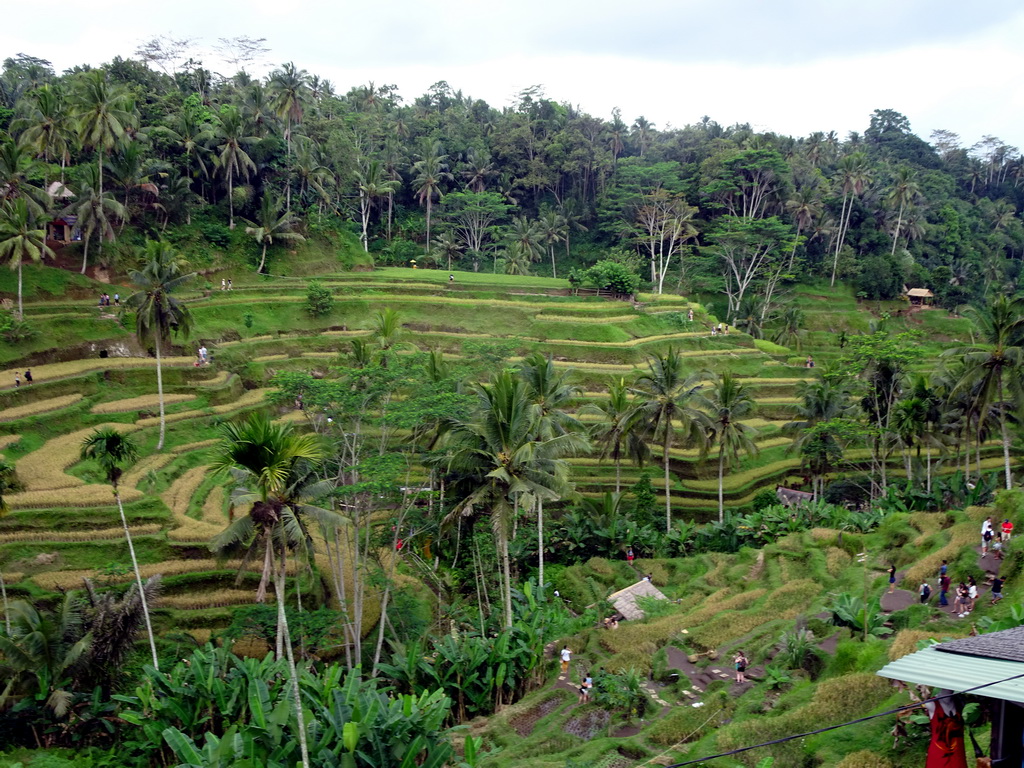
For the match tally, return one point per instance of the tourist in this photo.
(585, 687)
(629, 555)
(986, 527)
(203, 352)
(972, 594)
(943, 568)
(28, 376)
(714, 330)
(566, 658)
(944, 584)
(810, 361)
(997, 590)
(892, 579)
(1007, 531)
(647, 577)
(223, 284)
(740, 662)
(117, 299)
(925, 591)
(230, 286)
(451, 279)
(17, 379)
(689, 315)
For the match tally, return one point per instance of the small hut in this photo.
(789, 497)
(625, 599)
(64, 229)
(919, 296)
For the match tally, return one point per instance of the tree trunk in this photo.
(231, 201)
(428, 223)
(721, 476)
(7, 612)
(551, 249)
(839, 242)
(85, 252)
(507, 586)
(540, 547)
(792, 253)
(391, 203)
(138, 581)
(263, 258)
(282, 620)
(668, 494)
(896, 234)
(21, 310)
(160, 391)
(1002, 427)
(364, 214)
(928, 470)
(618, 474)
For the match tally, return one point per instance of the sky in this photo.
(790, 66)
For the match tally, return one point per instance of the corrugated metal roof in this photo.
(958, 673)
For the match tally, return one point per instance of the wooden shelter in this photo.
(995, 661)
(919, 295)
(625, 599)
(790, 497)
(63, 229)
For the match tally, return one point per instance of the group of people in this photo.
(225, 284)
(105, 300)
(203, 356)
(720, 328)
(990, 540)
(964, 598)
(17, 377)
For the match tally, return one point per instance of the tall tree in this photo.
(667, 396)
(105, 114)
(96, 210)
(20, 239)
(267, 457)
(905, 192)
(728, 402)
(618, 430)
(43, 128)
(290, 88)
(158, 313)
(992, 369)
(855, 173)
(229, 140)
(273, 224)
(431, 172)
(111, 450)
(373, 184)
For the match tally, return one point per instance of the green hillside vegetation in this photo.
(454, 379)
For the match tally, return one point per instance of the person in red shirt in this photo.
(1007, 529)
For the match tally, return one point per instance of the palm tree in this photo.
(822, 399)
(667, 395)
(856, 175)
(905, 192)
(373, 184)
(509, 463)
(1000, 325)
(431, 171)
(20, 240)
(552, 229)
(16, 169)
(96, 211)
(111, 450)
(43, 129)
(728, 403)
(157, 312)
(551, 394)
(268, 458)
(105, 115)
(526, 237)
(449, 246)
(273, 224)
(290, 89)
(804, 207)
(232, 159)
(618, 430)
(8, 481)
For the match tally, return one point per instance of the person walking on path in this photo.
(28, 376)
(1007, 532)
(117, 299)
(566, 658)
(741, 663)
(972, 594)
(944, 584)
(585, 686)
(997, 590)
(629, 555)
(230, 286)
(986, 528)
(892, 579)
(925, 591)
(223, 284)
(17, 379)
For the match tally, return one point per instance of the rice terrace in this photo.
(337, 430)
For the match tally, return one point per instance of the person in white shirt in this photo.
(203, 352)
(566, 657)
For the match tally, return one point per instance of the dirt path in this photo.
(898, 600)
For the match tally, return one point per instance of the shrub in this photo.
(613, 276)
(319, 299)
(771, 348)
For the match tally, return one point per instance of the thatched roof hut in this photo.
(625, 599)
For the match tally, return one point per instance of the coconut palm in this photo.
(111, 450)
(551, 394)
(96, 211)
(20, 239)
(553, 229)
(804, 207)
(728, 402)
(450, 247)
(43, 128)
(289, 88)
(666, 397)
(16, 170)
(989, 369)
(509, 464)
(229, 141)
(158, 314)
(905, 192)
(373, 184)
(270, 460)
(273, 225)
(856, 175)
(105, 115)
(526, 237)
(431, 171)
(618, 430)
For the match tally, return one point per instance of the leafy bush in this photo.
(613, 276)
(771, 348)
(623, 692)
(319, 299)
(799, 650)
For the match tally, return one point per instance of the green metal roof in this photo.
(958, 672)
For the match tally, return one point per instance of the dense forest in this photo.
(435, 482)
(207, 162)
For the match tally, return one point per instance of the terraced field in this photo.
(63, 525)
